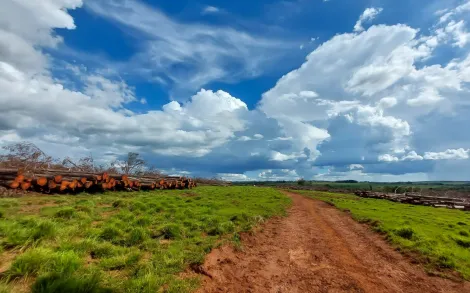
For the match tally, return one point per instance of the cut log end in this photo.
(41, 181)
(25, 185)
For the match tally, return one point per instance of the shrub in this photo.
(301, 182)
(405, 232)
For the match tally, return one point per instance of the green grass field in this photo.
(123, 242)
(436, 186)
(437, 237)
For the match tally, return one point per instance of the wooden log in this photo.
(5, 171)
(13, 184)
(52, 185)
(64, 185)
(8, 177)
(58, 179)
(73, 185)
(88, 184)
(40, 181)
(25, 185)
(147, 186)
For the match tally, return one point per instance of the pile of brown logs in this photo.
(418, 199)
(60, 181)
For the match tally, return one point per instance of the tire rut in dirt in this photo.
(317, 248)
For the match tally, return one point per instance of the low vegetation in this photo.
(438, 237)
(123, 242)
(431, 188)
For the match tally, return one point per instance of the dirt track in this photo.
(317, 249)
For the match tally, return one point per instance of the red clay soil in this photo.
(317, 248)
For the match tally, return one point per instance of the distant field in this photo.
(438, 237)
(122, 242)
(438, 188)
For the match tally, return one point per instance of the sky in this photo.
(369, 90)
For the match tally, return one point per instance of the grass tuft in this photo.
(405, 232)
(110, 233)
(463, 233)
(66, 213)
(56, 283)
(43, 260)
(462, 242)
(171, 231)
(119, 203)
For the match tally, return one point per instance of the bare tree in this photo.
(25, 155)
(85, 164)
(151, 171)
(132, 165)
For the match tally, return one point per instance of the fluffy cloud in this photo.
(35, 106)
(367, 105)
(368, 15)
(374, 102)
(275, 175)
(233, 177)
(460, 154)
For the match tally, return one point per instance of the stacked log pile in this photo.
(418, 199)
(60, 181)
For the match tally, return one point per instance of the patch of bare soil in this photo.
(317, 248)
(35, 208)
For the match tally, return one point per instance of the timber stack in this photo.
(418, 199)
(59, 181)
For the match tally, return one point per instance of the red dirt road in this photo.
(317, 249)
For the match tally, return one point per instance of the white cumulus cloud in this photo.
(368, 15)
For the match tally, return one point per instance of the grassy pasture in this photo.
(123, 242)
(440, 238)
(427, 187)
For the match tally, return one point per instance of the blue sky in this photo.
(244, 90)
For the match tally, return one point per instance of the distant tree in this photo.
(84, 164)
(25, 155)
(301, 181)
(150, 171)
(132, 165)
(346, 181)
